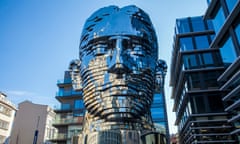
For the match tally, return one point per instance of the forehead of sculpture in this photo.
(109, 21)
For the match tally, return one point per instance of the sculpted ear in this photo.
(75, 74)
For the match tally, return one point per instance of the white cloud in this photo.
(20, 93)
(18, 96)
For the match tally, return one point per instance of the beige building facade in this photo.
(33, 124)
(7, 112)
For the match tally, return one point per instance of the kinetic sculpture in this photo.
(117, 71)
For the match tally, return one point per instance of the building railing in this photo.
(64, 81)
(59, 136)
(68, 93)
(6, 101)
(72, 120)
(62, 108)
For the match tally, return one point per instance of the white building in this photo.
(33, 124)
(7, 112)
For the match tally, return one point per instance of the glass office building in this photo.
(195, 68)
(158, 107)
(69, 115)
(225, 15)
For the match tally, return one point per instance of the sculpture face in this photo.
(118, 54)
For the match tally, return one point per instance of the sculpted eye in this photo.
(99, 49)
(111, 44)
(126, 43)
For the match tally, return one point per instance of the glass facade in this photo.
(78, 104)
(230, 4)
(228, 52)
(237, 32)
(158, 112)
(219, 19)
(192, 24)
(195, 69)
(201, 42)
(227, 40)
(197, 24)
(69, 116)
(202, 60)
(186, 43)
(183, 26)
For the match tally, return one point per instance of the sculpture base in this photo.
(123, 137)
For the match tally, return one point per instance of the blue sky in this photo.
(38, 39)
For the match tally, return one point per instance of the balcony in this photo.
(64, 81)
(7, 102)
(68, 121)
(59, 137)
(68, 93)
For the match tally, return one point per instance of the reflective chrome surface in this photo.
(118, 62)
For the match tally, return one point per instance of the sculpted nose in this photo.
(117, 64)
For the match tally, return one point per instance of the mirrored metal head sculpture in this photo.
(118, 57)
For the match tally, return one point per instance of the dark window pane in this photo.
(200, 105)
(190, 61)
(215, 103)
(194, 81)
(210, 79)
(207, 59)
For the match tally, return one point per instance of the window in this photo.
(207, 60)
(228, 52)
(157, 98)
(186, 44)
(209, 1)
(207, 103)
(65, 106)
(212, 37)
(2, 139)
(197, 24)
(78, 104)
(210, 79)
(215, 103)
(237, 32)
(230, 4)
(4, 124)
(199, 104)
(190, 61)
(183, 25)
(6, 111)
(218, 19)
(157, 113)
(201, 42)
(210, 25)
(194, 81)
